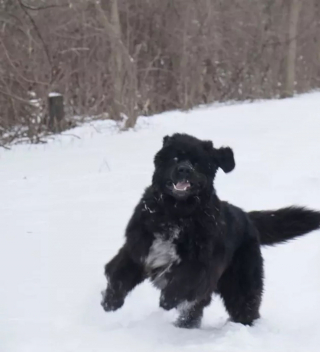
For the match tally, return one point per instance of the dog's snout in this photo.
(184, 169)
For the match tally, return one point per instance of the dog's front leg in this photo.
(185, 282)
(123, 274)
(189, 282)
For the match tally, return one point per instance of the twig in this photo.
(106, 164)
(70, 135)
(24, 9)
(3, 146)
(15, 69)
(15, 97)
(42, 7)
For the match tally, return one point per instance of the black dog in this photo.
(191, 245)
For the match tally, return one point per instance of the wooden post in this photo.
(56, 112)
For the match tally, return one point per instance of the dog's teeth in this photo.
(181, 186)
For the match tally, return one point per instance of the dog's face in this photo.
(186, 166)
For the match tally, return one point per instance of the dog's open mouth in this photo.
(180, 189)
(182, 186)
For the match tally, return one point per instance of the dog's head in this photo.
(186, 166)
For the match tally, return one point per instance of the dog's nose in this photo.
(184, 169)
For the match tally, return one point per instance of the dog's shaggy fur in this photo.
(191, 245)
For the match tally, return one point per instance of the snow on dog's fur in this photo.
(191, 245)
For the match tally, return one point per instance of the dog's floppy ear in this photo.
(207, 145)
(166, 140)
(225, 159)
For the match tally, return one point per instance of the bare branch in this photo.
(46, 7)
(45, 47)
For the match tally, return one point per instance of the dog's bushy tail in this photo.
(284, 224)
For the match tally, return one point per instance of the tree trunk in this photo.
(317, 39)
(290, 74)
(123, 68)
(117, 58)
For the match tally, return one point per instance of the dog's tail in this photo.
(284, 224)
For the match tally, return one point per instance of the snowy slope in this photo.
(64, 207)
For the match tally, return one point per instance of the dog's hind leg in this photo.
(241, 285)
(122, 274)
(190, 313)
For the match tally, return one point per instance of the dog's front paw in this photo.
(188, 323)
(169, 302)
(111, 301)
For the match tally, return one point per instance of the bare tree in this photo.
(122, 59)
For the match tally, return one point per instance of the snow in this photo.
(64, 207)
(54, 94)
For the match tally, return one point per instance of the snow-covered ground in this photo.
(64, 207)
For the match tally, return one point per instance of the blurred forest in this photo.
(116, 58)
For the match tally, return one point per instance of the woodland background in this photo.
(117, 58)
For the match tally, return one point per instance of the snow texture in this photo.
(65, 205)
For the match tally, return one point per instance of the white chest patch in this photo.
(162, 255)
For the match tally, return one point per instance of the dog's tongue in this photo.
(182, 186)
